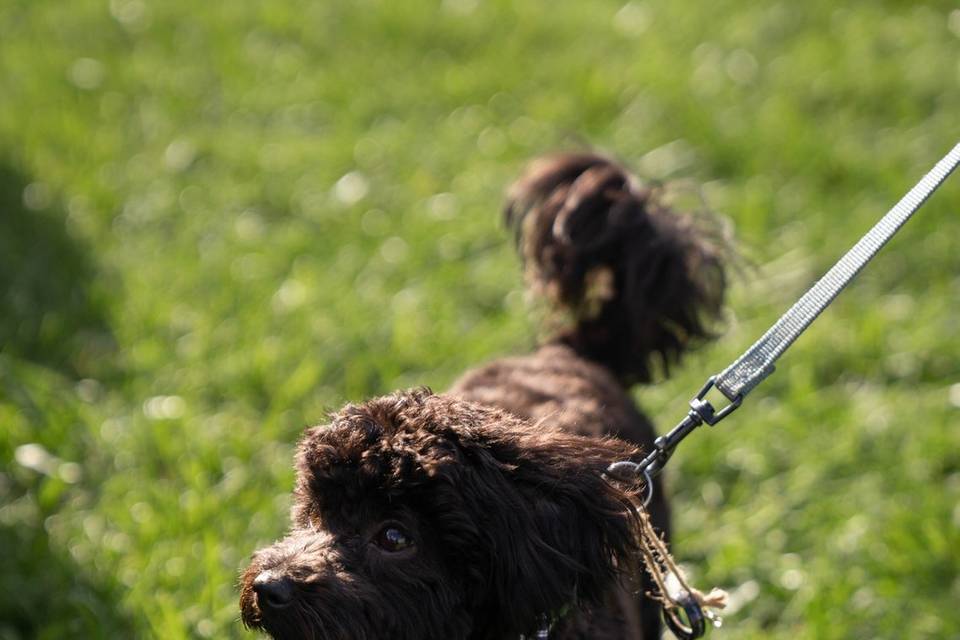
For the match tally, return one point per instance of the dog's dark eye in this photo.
(393, 538)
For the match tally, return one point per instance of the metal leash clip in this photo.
(750, 369)
(686, 618)
(701, 412)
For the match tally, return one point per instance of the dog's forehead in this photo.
(360, 431)
(406, 419)
(378, 451)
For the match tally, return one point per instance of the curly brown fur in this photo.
(474, 515)
(508, 523)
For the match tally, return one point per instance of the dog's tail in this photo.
(638, 283)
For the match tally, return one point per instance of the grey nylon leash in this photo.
(750, 369)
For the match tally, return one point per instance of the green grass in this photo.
(187, 279)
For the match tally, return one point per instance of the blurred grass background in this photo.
(221, 220)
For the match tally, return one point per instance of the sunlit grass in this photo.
(222, 220)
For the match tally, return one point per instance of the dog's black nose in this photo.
(273, 592)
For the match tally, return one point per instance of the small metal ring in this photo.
(697, 621)
(649, 480)
(616, 471)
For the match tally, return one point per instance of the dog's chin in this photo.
(249, 611)
(254, 620)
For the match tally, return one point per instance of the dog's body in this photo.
(483, 513)
(556, 386)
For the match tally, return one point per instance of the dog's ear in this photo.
(537, 523)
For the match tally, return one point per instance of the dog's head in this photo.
(419, 516)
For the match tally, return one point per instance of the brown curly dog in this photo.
(483, 513)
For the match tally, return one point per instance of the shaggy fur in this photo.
(480, 513)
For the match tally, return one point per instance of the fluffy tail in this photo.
(638, 283)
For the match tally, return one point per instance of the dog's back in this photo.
(558, 386)
(636, 285)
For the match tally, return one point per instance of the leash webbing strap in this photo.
(749, 370)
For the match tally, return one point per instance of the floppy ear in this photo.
(536, 527)
(579, 531)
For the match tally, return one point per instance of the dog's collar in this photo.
(547, 623)
(543, 632)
